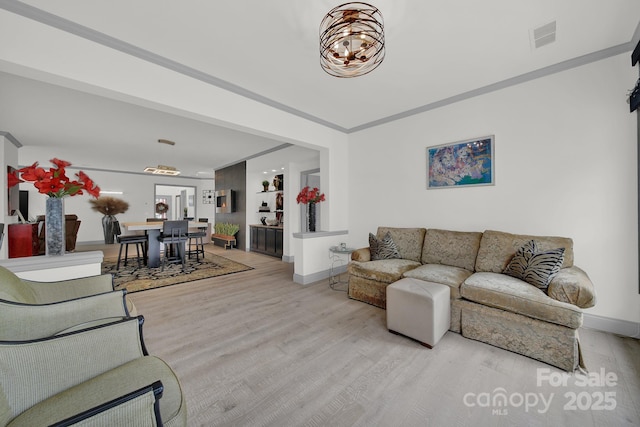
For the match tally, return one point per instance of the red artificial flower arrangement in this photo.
(308, 195)
(54, 181)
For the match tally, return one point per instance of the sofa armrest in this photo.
(27, 322)
(362, 255)
(70, 289)
(573, 286)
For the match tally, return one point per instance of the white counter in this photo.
(53, 268)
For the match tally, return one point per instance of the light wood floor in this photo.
(256, 349)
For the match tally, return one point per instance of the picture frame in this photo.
(468, 163)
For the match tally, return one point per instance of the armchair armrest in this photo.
(32, 371)
(572, 285)
(362, 255)
(133, 408)
(25, 321)
(70, 289)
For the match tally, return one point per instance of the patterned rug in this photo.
(135, 279)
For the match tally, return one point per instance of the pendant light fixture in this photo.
(163, 169)
(351, 40)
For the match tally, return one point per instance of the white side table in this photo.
(339, 256)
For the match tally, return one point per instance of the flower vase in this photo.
(109, 228)
(312, 217)
(54, 226)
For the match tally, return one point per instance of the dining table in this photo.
(152, 229)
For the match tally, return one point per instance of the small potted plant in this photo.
(265, 185)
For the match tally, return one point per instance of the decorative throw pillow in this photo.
(384, 248)
(535, 267)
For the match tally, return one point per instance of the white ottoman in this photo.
(418, 310)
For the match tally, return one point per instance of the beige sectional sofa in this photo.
(486, 305)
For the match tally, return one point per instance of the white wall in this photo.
(138, 191)
(291, 172)
(98, 69)
(9, 158)
(565, 164)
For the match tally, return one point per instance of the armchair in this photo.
(101, 376)
(32, 310)
(72, 225)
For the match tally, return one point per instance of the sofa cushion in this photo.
(454, 248)
(383, 248)
(14, 290)
(409, 241)
(497, 248)
(384, 270)
(514, 295)
(535, 267)
(444, 274)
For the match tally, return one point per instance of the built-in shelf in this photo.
(270, 198)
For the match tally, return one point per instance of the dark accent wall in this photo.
(235, 178)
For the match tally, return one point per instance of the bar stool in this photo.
(174, 238)
(141, 243)
(197, 238)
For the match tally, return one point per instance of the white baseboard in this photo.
(288, 259)
(320, 275)
(614, 326)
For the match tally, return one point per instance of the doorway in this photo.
(180, 201)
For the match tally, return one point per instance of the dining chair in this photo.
(174, 237)
(139, 240)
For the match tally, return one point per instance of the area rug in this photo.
(135, 279)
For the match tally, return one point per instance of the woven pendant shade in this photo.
(351, 40)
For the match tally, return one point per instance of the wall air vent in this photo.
(543, 35)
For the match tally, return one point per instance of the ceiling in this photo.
(437, 52)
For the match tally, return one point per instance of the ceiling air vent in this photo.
(543, 35)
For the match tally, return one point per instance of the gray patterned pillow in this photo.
(535, 268)
(383, 248)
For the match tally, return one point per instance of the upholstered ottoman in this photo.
(418, 310)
